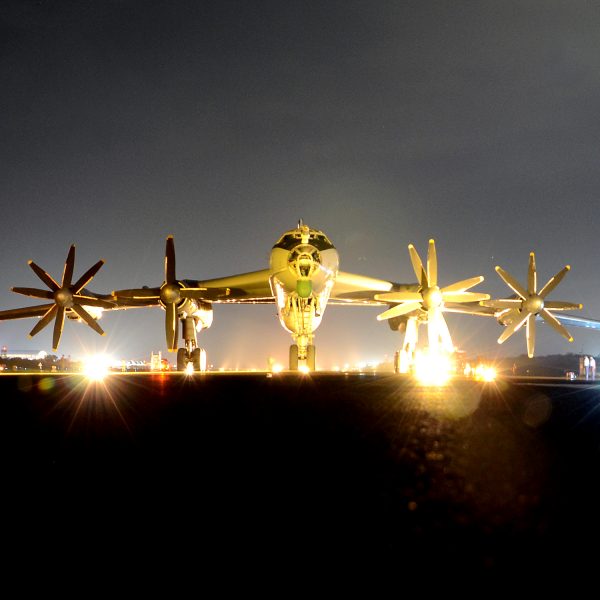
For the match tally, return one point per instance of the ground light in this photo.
(97, 366)
(432, 368)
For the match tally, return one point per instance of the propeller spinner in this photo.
(66, 297)
(429, 299)
(523, 310)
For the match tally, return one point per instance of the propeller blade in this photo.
(558, 305)
(68, 270)
(515, 325)
(59, 321)
(530, 334)
(88, 318)
(502, 303)
(44, 320)
(34, 292)
(464, 296)
(87, 301)
(170, 261)
(511, 282)
(531, 275)
(554, 281)
(400, 309)
(47, 279)
(86, 277)
(461, 286)
(551, 320)
(26, 312)
(432, 264)
(415, 259)
(399, 296)
(171, 326)
(137, 293)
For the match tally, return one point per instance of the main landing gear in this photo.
(197, 358)
(191, 354)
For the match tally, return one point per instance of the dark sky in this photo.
(222, 123)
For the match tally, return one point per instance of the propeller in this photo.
(429, 300)
(66, 297)
(168, 295)
(516, 312)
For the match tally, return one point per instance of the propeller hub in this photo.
(534, 304)
(432, 297)
(63, 297)
(170, 293)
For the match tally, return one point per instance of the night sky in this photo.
(222, 123)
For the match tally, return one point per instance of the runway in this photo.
(303, 473)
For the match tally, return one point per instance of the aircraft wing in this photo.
(350, 288)
(252, 287)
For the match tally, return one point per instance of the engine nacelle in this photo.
(202, 312)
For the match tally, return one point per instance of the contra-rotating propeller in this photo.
(66, 297)
(517, 311)
(429, 300)
(169, 295)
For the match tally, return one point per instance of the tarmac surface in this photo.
(297, 474)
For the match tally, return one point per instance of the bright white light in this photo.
(97, 366)
(433, 368)
(189, 369)
(277, 368)
(303, 369)
(485, 373)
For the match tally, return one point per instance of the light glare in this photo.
(433, 368)
(97, 366)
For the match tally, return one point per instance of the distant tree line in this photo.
(553, 365)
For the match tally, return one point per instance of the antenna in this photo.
(300, 223)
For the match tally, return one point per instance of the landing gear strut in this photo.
(191, 354)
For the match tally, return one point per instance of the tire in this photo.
(293, 357)
(195, 359)
(198, 359)
(311, 358)
(181, 359)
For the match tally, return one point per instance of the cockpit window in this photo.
(291, 239)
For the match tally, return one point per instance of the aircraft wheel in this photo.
(195, 358)
(181, 359)
(311, 357)
(294, 357)
(198, 359)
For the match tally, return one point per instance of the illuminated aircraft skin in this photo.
(303, 277)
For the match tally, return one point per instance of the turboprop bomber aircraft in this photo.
(302, 279)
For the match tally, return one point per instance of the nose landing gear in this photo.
(299, 353)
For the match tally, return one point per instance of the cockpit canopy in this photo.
(306, 236)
